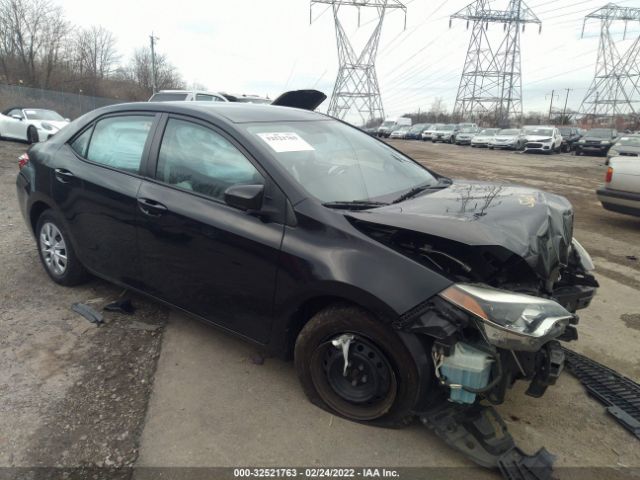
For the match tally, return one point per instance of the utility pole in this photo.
(356, 88)
(566, 99)
(553, 93)
(154, 73)
(491, 82)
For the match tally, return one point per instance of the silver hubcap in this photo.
(54, 250)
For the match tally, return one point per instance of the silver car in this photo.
(626, 146)
(428, 132)
(508, 138)
(465, 135)
(483, 138)
(621, 191)
(400, 132)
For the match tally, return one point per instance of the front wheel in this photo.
(56, 252)
(379, 382)
(32, 135)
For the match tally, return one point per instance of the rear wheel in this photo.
(32, 135)
(378, 385)
(56, 252)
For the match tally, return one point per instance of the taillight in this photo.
(23, 160)
(609, 175)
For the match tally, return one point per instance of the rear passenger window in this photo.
(196, 158)
(118, 142)
(201, 97)
(80, 144)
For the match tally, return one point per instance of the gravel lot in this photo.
(74, 394)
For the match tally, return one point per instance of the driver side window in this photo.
(197, 159)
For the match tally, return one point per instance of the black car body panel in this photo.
(305, 99)
(599, 144)
(570, 136)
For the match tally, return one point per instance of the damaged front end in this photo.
(518, 278)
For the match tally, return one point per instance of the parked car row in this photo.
(530, 138)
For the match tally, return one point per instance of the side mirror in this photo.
(244, 197)
(17, 117)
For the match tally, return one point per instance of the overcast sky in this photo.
(268, 46)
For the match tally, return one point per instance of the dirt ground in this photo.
(73, 394)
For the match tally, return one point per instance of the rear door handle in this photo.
(151, 207)
(63, 176)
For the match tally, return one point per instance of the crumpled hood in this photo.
(536, 225)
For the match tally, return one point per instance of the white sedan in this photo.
(30, 124)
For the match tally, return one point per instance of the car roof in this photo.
(231, 111)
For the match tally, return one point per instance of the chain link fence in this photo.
(69, 105)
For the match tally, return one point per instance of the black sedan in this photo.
(570, 137)
(393, 287)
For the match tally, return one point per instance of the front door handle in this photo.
(151, 207)
(63, 176)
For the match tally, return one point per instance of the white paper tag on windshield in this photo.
(285, 142)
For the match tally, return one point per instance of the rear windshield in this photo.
(265, 101)
(630, 141)
(168, 97)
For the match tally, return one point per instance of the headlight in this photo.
(613, 152)
(582, 140)
(509, 320)
(605, 142)
(46, 126)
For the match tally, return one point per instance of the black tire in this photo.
(32, 135)
(74, 272)
(316, 360)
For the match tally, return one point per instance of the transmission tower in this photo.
(356, 87)
(615, 89)
(491, 82)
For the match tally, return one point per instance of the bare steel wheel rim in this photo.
(363, 390)
(53, 248)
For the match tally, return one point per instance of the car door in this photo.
(14, 127)
(197, 252)
(96, 178)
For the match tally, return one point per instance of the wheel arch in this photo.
(36, 210)
(296, 317)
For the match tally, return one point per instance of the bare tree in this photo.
(95, 52)
(140, 72)
(32, 35)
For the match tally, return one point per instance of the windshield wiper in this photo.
(443, 182)
(354, 205)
